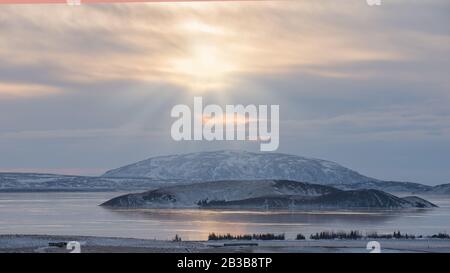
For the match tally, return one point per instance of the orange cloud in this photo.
(25, 90)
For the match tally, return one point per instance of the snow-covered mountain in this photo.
(240, 165)
(262, 194)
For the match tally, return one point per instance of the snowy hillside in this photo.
(387, 186)
(189, 195)
(262, 194)
(240, 165)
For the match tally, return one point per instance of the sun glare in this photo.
(203, 69)
(205, 64)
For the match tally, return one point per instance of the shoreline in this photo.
(15, 243)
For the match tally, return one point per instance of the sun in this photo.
(204, 69)
(206, 62)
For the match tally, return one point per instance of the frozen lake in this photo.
(79, 214)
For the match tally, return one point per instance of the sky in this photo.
(90, 88)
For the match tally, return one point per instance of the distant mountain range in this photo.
(263, 194)
(443, 189)
(26, 182)
(190, 168)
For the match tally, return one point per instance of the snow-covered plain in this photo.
(40, 243)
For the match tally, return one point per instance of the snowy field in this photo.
(40, 244)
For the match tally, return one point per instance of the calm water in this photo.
(79, 214)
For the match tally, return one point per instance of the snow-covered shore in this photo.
(40, 243)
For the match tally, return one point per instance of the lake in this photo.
(79, 214)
